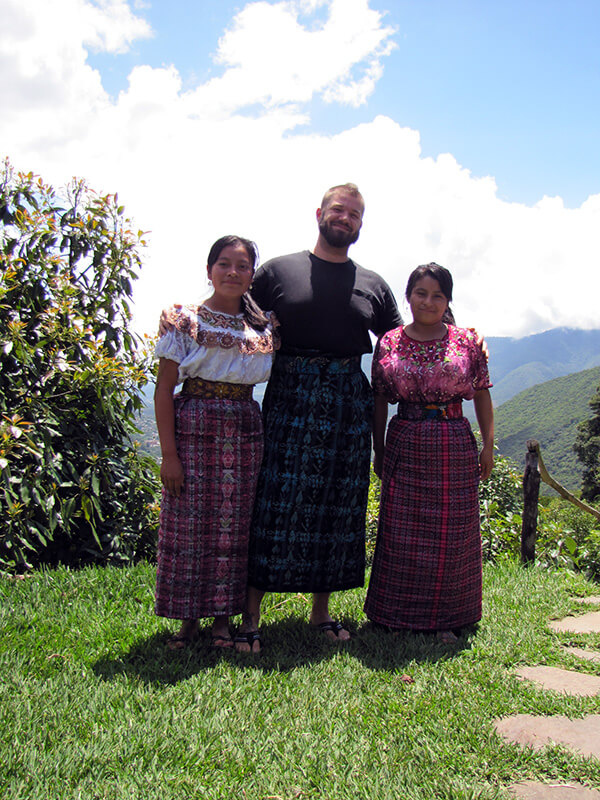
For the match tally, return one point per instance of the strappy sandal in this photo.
(335, 626)
(249, 638)
(179, 641)
(220, 642)
(184, 637)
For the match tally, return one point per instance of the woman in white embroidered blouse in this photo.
(211, 442)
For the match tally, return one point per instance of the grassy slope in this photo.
(550, 413)
(94, 706)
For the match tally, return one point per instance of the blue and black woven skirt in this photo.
(308, 529)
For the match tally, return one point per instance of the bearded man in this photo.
(308, 531)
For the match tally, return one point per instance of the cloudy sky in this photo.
(471, 127)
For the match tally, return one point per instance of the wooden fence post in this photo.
(531, 492)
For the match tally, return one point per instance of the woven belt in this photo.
(315, 363)
(435, 411)
(216, 390)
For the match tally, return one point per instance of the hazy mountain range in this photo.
(517, 364)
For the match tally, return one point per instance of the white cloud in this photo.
(51, 96)
(271, 58)
(192, 165)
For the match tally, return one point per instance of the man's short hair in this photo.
(347, 188)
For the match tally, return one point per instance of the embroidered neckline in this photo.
(202, 307)
(443, 338)
(218, 329)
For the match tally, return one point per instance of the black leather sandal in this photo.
(249, 638)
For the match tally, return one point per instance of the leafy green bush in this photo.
(73, 486)
(500, 506)
(569, 537)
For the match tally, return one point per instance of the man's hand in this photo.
(164, 324)
(482, 343)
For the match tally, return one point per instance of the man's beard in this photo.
(337, 237)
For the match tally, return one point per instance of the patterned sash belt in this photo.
(435, 411)
(216, 390)
(316, 363)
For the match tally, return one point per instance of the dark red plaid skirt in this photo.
(203, 536)
(427, 566)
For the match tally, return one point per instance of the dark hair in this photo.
(253, 315)
(439, 274)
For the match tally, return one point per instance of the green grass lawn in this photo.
(94, 706)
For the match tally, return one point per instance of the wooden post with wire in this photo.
(535, 469)
(531, 493)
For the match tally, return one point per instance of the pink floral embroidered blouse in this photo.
(405, 370)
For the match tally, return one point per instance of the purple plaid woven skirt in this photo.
(427, 567)
(203, 536)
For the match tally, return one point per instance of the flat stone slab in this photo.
(586, 623)
(591, 600)
(588, 655)
(580, 735)
(531, 790)
(562, 680)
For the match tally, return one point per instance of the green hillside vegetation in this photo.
(550, 413)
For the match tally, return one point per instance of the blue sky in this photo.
(471, 127)
(511, 89)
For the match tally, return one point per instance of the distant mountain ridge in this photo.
(517, 364)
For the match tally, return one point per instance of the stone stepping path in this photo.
(582, 735)
(562, 680)
(530, 790)
(588, 655)
(579, 735)
(586, 623)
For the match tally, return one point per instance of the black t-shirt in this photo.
(325, 306)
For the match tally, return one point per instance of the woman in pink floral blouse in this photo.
(427, 568)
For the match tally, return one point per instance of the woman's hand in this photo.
(379, 426)
(171, 474)
(486, 461)
(485, 417)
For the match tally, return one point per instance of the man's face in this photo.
(341, 219)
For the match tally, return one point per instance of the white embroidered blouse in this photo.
(218, 347)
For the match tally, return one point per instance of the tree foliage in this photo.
(587, 448)
(73, 486)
